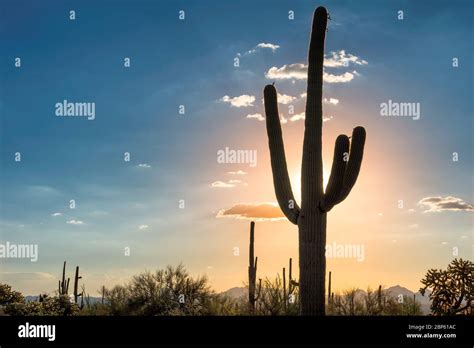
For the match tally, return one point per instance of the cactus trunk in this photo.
(285, 297)
(329, 289)
(315, 202)
(312, 241)
(63, 284)
(76, 284)
(253, 271)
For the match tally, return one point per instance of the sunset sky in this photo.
(371, 57)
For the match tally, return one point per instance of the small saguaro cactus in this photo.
(63, 284)
(292, 284)
(379, 298)
(329, 289)
(253, 271)
(315, 202)
(76, 284)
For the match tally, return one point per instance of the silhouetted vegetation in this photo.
(172, 291)
(315, 203)
(452, 290)
(356, 302)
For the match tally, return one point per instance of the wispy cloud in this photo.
(300, 72)
(448, 203)
(259, 211)
(271, 46)
(301, 116)
(295, 71)
(221, 184)
(343, 78)
(262, 45)
(339, 59)
(75, 222)
(144, 165)
(297, 117)
(228, 183)
(143, 227)
(56, 214)
(238, 172)
(256, 116)
(285, 99)
(332, 101)
(42, 190)
(240, 101)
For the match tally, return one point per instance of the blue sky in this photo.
(190, 63)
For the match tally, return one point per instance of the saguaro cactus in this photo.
(253, 271)
(315, 203)
(76, 284)
(292, 284)
(329, 289)
(63, 284)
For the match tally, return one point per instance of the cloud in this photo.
(331, 78)
(448, 203)
(261, 45)
(259, 211)
(335, 59)
(301, 116)
(222, 184)
(297, 117)
(56, 214)
(235, 181)
(341, 59)
(285, 99)
(332, 101)
(228, 184)
(296, 71)
(240, 101)
(256, 116)
(239, 172)
(327, 118)
(144, 165)
(75, 222)
(143, 227)
(42, 190)
(271, 46)
(300, 72)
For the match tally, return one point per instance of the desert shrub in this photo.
(171, 291)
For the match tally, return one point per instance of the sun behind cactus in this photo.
(315, 203)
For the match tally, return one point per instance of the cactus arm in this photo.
(312, 164)
(353, 165)
(258, 289)
(336, 179)
(281, 180)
